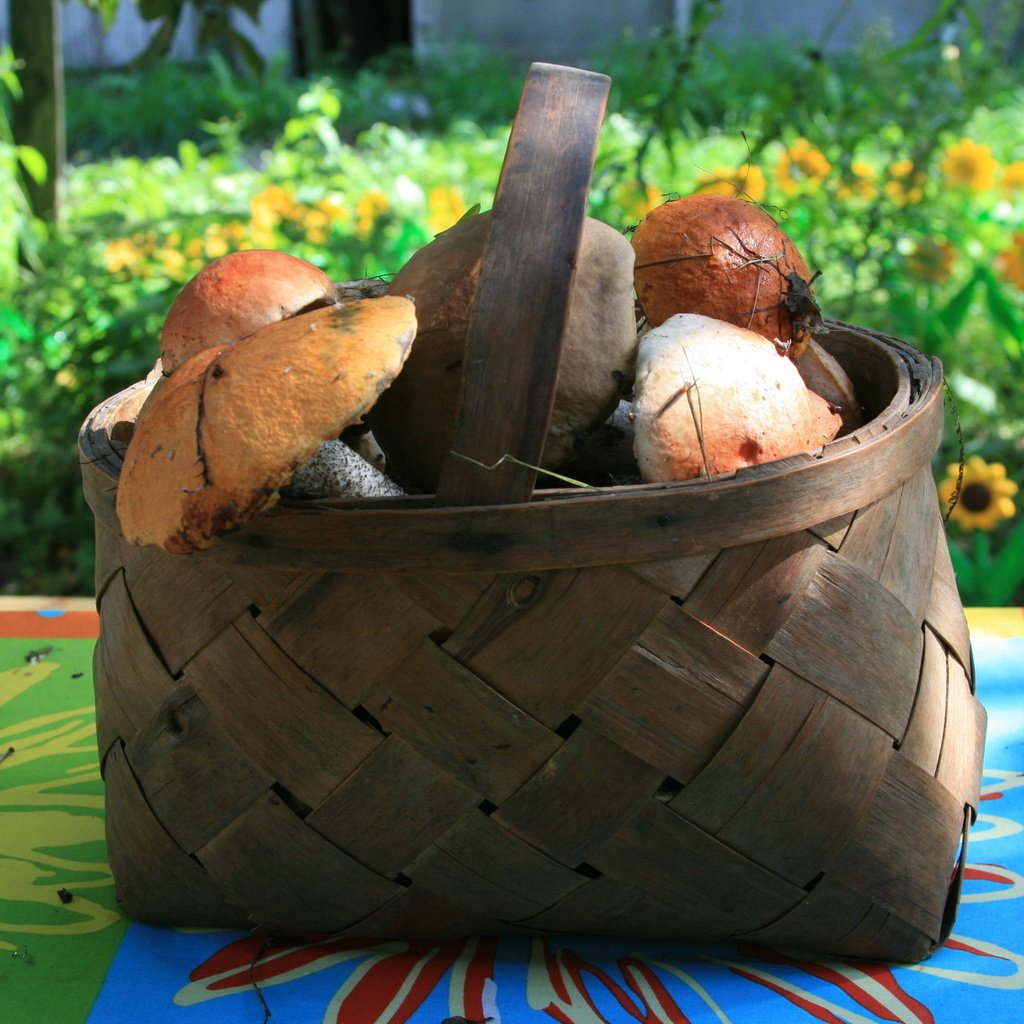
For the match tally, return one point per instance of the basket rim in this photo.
(562, 528)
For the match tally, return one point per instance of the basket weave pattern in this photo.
(776, 740)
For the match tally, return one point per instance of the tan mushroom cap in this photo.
(236, 295)
(711, 398)
(228, 429)
(415, 421)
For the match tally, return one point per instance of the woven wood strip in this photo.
(852, 637)
(582, 794)
(156, 879)
(315, 887)
(134, 678)
(182, 751)
(381, 627)
(426, 799)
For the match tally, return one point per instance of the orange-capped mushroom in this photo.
(227, 430)
(728, 259)
(237, 294)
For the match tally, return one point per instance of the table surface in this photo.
(68, 955)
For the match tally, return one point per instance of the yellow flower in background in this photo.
(1010, 263)
(905, 185)
(445, 205)
(173, 262)
(315, 224)
(746, 183)
(215, 242)
(1013, 176)
(969, 164)
(802, 164)
(275, 203)
(986, 495)
(860, 182)
(334, 208)
(931, 260)
(636, 201)
(369, 209)
(122, 254)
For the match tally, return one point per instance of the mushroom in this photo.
(414, 422)
(727, 259)
(711, 397)
(236, 295)
(231, 425)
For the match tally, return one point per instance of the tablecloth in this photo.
(69, 956)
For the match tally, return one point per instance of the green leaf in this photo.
(954, 313)
(34, 163)
(1004, 313)
(1003, 583)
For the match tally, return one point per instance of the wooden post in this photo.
(38, 118)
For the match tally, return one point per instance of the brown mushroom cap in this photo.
(414, 422)
(720, 257)
(228, 429)
(711, 397)
(236, 295)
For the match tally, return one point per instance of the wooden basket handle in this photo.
(516, 326)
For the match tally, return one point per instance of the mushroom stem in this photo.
(338, 471)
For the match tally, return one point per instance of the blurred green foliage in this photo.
(898, 171)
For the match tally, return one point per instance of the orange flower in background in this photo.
(369, 209)
(1010, 263)
(445, 205)
(802, 164)
(985, 497)
(905, 185)
(931, 260)
(1013, 176)
(969, 164)
(746, 183)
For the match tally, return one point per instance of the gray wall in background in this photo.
(553, 30)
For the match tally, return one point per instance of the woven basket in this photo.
(737, 708)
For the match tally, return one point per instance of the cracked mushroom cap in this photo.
(228, 429)
(236, 295)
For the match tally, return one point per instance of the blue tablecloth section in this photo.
(176, 977)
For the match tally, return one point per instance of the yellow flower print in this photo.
(1010, 263)
(370, 207)
(445, 205)
(746, 183)
(986, 495)
(969, 164)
